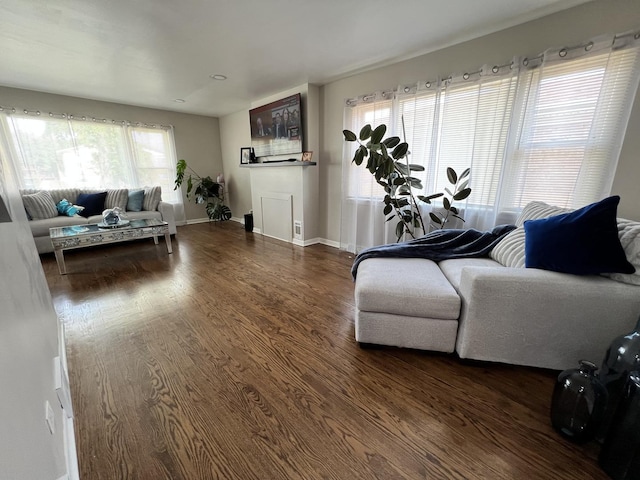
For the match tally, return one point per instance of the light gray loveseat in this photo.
(154, 207)
(485, 310)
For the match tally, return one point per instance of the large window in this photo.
(547, 129)
(65, 152)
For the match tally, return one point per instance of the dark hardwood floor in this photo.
(234, 358)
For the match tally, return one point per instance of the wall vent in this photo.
(297, 229)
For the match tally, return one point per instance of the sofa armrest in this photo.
(541, 318)
(166, 210)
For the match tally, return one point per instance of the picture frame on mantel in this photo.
(245, 155)
(306, 156)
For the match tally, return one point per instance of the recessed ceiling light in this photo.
(179, 100)
(217, 76)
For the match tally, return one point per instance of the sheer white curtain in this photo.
(363, 222)
(548, 128)
(60, 151)
(573, 107)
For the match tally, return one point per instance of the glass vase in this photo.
(622, 357)
(620, 455)
(578, 403)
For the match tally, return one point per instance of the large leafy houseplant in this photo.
(206, 191)
(388, 161)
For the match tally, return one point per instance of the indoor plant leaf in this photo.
(365, 132)
(378, 133)
(400, 150)
(399, 229)
(391, 142)
(428, 198)
(462, 194)
(452, 175)
(349, 136)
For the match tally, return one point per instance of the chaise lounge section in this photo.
(492, 312)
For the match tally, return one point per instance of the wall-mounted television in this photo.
(276, 128)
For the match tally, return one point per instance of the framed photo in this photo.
(245, 155)
(306, 156)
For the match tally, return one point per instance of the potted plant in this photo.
(206, 191)
(388, 162)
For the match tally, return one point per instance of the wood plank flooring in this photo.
(234, 358)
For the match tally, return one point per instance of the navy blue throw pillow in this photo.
(93, 203)
(583, 242)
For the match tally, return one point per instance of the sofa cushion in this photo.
(40, 228)
(629, 234)
(405, 286)
(510, 250)
(117, 198)
(152, 197)
(452, 269)
(143, 214)
(93, 203)
(57, 194)
(583, 242)
(537, 211)
(40, 205)
(135, 200)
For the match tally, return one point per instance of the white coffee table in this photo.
(67, 238)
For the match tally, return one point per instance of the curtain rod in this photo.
(69, 116)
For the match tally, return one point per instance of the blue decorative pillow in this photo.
(136, 197)
(583, 242)
(93, 203)
(66, 208)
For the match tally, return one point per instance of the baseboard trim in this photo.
(329, 243)
(197, 220)
(295, 241)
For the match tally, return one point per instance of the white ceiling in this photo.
(150, 52)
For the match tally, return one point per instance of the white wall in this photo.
(197, 137)
(235, 133)
(28, 346)
(567, 27)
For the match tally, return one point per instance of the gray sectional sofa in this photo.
(152, 207)
(494, 309)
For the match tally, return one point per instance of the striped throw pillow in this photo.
(152, 197)
(40, 205)
(117, 198)
(510, 250)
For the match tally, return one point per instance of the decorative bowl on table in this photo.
(112, 218)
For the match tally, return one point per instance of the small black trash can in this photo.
(248, 222)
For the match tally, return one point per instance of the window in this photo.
(361, 182)
(547, 129)
(64, 153)
(568, 137)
